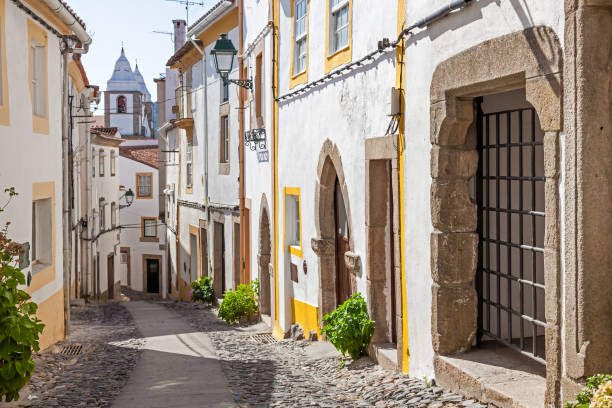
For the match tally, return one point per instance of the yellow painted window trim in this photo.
(137, 189)
(302, 77)
(142, 227)
(344, 55)
(5, 117)
(36, 33)
(295, 191)
(41, 191)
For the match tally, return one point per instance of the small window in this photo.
(93, 162)
(101, 155)
(39, 86)
(224, 140)
(102, 213)
(113, 215)
(293, 230)
(124, 258)
(339, 25)
(189, 163)
(41, 232)
(143, 185)
(113, 159)
(149, 227)
(300, 36)
(121, 104)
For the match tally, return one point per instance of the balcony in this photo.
(184, 116)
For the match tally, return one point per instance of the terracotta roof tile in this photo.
(74, 14)
(142, 154)
(188, 46)
(106, 131)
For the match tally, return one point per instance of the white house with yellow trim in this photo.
(33, 123)
(336, 217)
(143, 235)
(205, 197)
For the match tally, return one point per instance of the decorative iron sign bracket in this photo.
(255, 139)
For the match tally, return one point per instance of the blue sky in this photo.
(132, 21)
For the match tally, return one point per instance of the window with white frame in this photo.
(39, 86)
(189, 163)
(113, 215)
(149, 227)
(224, 142)
(102, 213)
(293, 229)
(339, 25)
(113, 165)
(143, 185)
(300, 36)
(41, 233)
(101, 155)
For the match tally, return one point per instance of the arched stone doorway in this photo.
(263, 258)
(333, 224)
(461, 235)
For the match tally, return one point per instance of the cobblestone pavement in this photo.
(95, 376)
(284, 373)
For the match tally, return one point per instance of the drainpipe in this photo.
(205, 136)
(66, 207)
(240, 136)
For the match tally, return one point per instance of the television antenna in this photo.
(165, 33)
(188, 3)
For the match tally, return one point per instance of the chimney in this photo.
(180, 26)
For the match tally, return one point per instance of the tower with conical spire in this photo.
(127, 101)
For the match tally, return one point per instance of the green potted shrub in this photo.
(349, 328)
(241, 303)
(202, 290)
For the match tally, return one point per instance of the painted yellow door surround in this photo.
(302, 77)
(5, 117)
(195, 231)
(40, 124)
(306, 315)
(277, 331)
(294, 191)
(344, 55)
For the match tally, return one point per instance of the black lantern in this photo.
(223, 53)
(129, 198)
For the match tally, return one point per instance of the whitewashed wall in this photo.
(481, 21)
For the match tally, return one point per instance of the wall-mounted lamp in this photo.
(223, 53)
(129, 199)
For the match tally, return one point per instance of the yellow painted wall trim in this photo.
(302, 77)
(40, 124)
(344, 55)
(195, 231)
(306, 315)
(5, 117)
(51, 313)
(41, 191)
(49, 16)
(295, 191)
(77, 77)
(275, 18)
(400, 82)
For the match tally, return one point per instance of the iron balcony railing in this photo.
(183, 102)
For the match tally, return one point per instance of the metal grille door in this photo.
(510, 196)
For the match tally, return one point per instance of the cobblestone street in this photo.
(260, 371)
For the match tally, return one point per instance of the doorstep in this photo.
(385, 355)
(494, 374)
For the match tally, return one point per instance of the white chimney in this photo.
(180, 27)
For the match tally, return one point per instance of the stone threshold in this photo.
(494, 374)
(385, 355)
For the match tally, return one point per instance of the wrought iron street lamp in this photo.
(129, 199)
(223, 53)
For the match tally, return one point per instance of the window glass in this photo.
(224, 140)
(189, 161)
(121, 104)
(143, 188)
(340, 24)
(102, 212)
(101, 162)
(41, 231)
(38, 79)
(292, 226)
(113, 215)
(300, 36)
(224, 91)
(150, 227)
(112, 163)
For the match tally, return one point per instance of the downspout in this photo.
(66, 207)
(240, 133)
(205, 135)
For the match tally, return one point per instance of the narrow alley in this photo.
(159, 353)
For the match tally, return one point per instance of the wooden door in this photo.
(152, 275)
(343, 282)
(110, 267)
